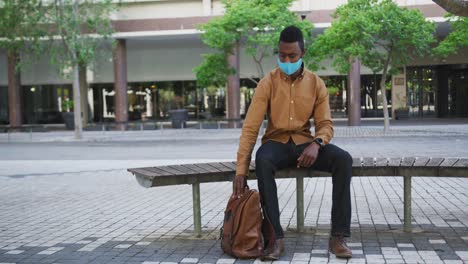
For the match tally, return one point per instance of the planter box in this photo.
(179, 118)
(69, 120)
(401, 114)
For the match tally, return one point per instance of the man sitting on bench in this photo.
(290, 95)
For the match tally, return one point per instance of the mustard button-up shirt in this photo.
(289, 106)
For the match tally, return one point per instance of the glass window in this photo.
(4, 105)
(43, 103)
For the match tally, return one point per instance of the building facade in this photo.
(159, 46)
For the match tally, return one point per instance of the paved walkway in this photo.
(89, 210)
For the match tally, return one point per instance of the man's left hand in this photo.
(308, 156)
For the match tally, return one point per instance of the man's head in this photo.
(290, 50)
(291, 44)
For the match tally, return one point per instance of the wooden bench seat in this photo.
(406, 167)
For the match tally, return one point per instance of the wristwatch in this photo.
(319, 141)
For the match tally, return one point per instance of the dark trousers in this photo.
(273, 156)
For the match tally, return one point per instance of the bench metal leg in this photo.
(407, 203)
(196, 209)
(300, 203)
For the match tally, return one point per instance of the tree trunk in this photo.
(84, 93)
(77, 102)
(384, 97)
(233, 91)
(14, 90)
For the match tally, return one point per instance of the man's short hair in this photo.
(292, 34)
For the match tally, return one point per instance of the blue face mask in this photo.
(288, 67)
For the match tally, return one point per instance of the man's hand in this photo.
(308, 156)
(238, 185)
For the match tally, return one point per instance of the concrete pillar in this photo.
(14, 90)
(207, 7)
(354, 96)
(233, 91)
(120, 84)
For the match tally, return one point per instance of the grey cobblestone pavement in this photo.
(88, 209)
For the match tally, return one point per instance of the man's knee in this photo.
(262, 162)
(345, 159)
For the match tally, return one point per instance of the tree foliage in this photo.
(375, 32)
(20, 25)
(381, 34)
(255, 25)
(457, 38)
(214, 70)
(81, 26)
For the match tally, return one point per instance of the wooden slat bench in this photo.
(407, 167)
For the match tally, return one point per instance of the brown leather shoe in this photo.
(337, 245)
(274, 252)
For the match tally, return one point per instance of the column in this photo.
(120, 84)
(233, 91)
(14, 90)
(354, 96)
(207, 7)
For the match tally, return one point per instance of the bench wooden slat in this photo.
(229, 165)
(171, 170)
(357, 162)
(207, 167)
(196, 168)
(461, 163)
(434, 162)
(407, 162)
(381, 162)
(183, 169)
(159, 171)
(218, 166)
(368, 162)
(421, 162)
(252, 165)
(394, 162)
(448, 162)
(144, 171)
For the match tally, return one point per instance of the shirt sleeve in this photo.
(322, 116)
(251, 126)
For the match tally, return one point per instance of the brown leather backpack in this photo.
(241, 235)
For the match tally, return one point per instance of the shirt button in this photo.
(292, 101)
(292, 85)
(290, 118)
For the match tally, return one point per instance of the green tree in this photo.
(457, 38)
(253, 24)
(381, 34)
(82, 27)
(20, 33)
